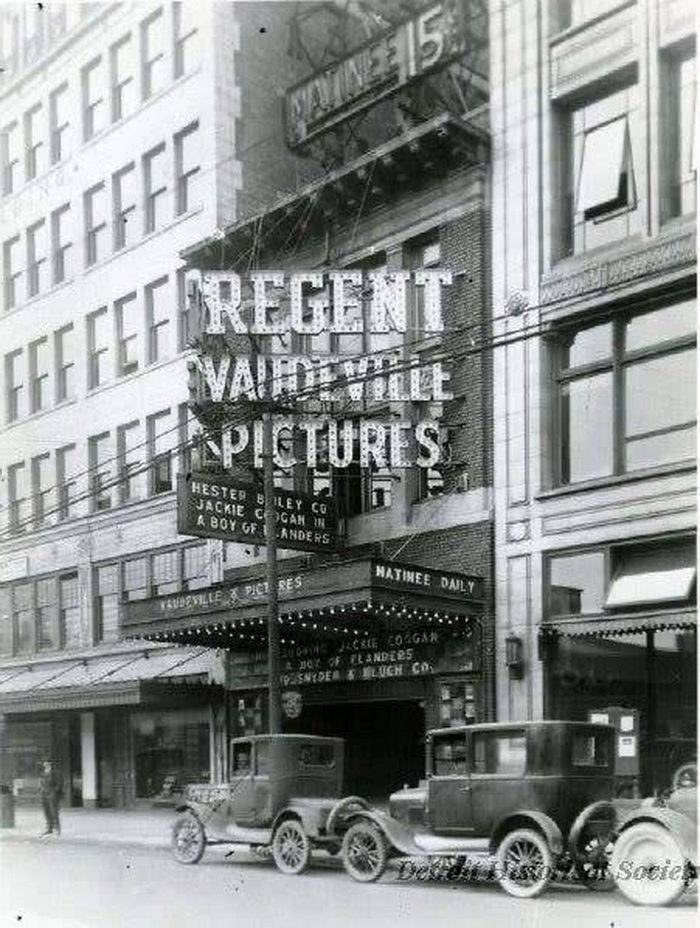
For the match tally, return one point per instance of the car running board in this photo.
(439, 844)
(239, 834)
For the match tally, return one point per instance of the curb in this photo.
(68, 838)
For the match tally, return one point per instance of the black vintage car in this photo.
(537, 795)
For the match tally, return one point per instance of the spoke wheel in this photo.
(188, 839)
(593, 862)
(291, 848)
(524, 863)
(364, 852)
(648, 866)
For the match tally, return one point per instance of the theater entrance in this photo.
(384, 742)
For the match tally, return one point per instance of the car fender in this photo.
(603, 812)
(396, 833)
(528, 818)
(311, 817)
(682, 828)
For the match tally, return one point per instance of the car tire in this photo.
(524, 863)
(188, 840)
(291, 848)
(364, 852)
(641, 856)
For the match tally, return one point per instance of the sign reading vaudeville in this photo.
(216, 506)
(385, 64)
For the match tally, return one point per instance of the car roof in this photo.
(507, 726)
(319, 739)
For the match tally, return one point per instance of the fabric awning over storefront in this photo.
(657, 575)
(89, 682)
(342, 598)
(621, 625)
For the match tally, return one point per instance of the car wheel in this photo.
(648, 866)
(188, 839)
(524, 863)
(364, 852)
(593, 862)
(291, 848)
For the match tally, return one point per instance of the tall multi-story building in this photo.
(377, 163)
(116, 152)
(593, 110)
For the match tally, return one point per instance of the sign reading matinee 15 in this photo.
(315, 304)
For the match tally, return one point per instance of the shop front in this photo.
(374, 652)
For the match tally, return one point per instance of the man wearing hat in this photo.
(51, 788)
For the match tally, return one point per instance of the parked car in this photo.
(654, 857)
(537, 795)
(279, 794)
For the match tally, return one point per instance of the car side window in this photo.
(241, 761)
(450, 755)
(316, 755)
(589, 750)
(500, 752)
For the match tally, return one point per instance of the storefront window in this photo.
(166, 573)
(24, 618)
(107, 602)
(6, 621)
(172, 747)
(195, 568)
(457, 703)
(626, 394)
(136, 585)
(577, 584)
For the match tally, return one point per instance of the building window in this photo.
(157, 315)
(679, 163)
(195, 567)
(126, 311)
(13, 271)
(98, 347)
(9, 155)
(34, 141)
(37, 248)
(627, 394)
(59, 122)
(61, 243)
(65, 363)
(94, 98)
(6, 618)
(99, 462)
(17, 496)
(47, 632)
(155, 187)
(129, 458)
(123, 78)
(152, 55)
(95, 204)
(187, 154)
(107, 602)
(165, 570)
(66, 482)
(600, 148)
(39, 374)
(186, 38)
(72, 633)
(160, 441)
(124, 192)
(23, 618)
(136, 581)
(14, 385)
(577, 584)
(41, 488)
(187, 301)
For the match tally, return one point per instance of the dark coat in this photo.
(51, 783)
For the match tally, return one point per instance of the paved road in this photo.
(58, 884)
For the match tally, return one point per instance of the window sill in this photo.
(130, 378)
(601, 483)
(50, 292)
(576, 28)
(32, 417)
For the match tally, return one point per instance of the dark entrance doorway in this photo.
(384, 746)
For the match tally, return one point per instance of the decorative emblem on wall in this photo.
(291, 704)
(517, 302)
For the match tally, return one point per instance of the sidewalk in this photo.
(144, 827)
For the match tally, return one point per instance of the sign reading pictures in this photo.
(216, 506)
(382, 66)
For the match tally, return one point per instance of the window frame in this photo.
(34, 262)
(122, 212)
(99, 473)
(31, 145)
(183, 178)
(39, 379)
(180, 39)
(9, 157)
(151, 195)
(11, 277)
(617, 364)
(147, 63)
(63, 367)
(59, 249)
(13, 388)
(64, 483)
(40, 494)
(126, 367)
(156, 351)
(16, 522)
(93, 230)
(117, 82)
(95, 352)
(90, 107)
(56, 129)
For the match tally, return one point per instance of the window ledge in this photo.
(49, 292)
(617, 480)
(576, 28)
(31, 417)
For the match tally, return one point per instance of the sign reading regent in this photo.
(216, 506)
(429, 40)
(316, 305)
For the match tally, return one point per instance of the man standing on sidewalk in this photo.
(51, 787)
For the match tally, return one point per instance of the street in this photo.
(54, 883)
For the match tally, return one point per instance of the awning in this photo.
(95, 681)
(656, 575)
(344, 598)
(621, 625)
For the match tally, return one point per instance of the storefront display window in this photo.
(169, 746)
(457, 703)
(577, 584)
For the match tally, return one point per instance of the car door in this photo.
(242, 799)
(498, 781)
(449, 784)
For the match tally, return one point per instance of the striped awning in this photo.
(610, 626)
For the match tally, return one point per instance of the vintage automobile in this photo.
(654, 857)
(536, 795)
(279, 794)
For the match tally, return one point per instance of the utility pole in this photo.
(273, 628)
